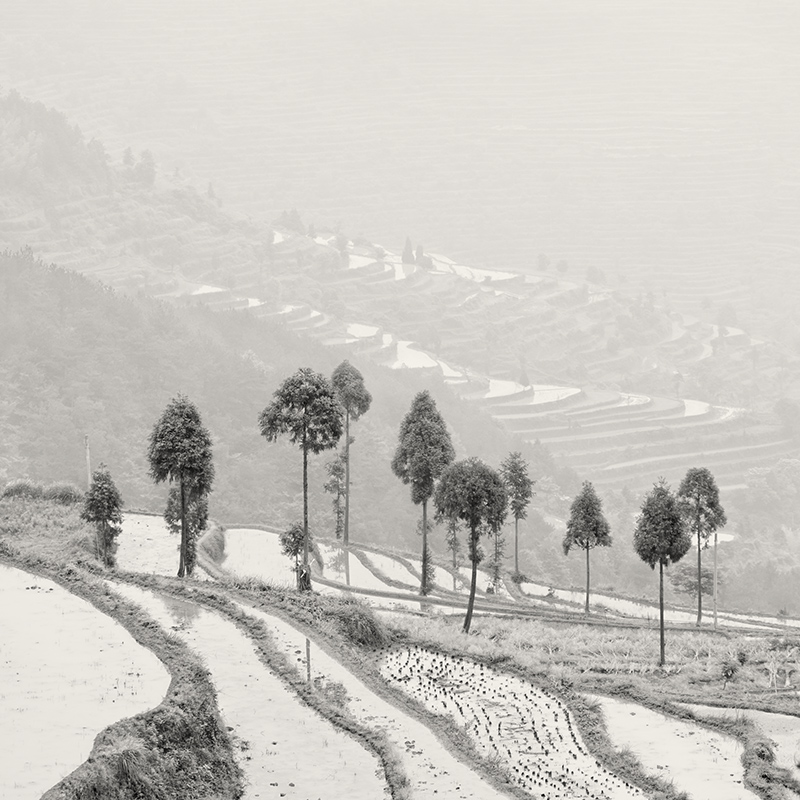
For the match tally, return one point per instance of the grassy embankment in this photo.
(179, 750)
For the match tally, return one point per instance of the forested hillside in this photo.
(77, 358)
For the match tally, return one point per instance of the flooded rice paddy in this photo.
(67, 671)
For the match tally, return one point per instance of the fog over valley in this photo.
(400, 399)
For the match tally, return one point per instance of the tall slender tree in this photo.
(180, 452)
(423, 452)
(587, 528)
(306, 409)
(473, 492)
(514, 471)
(102, 505)
(348, 385)
(699, 503)
(661, 538)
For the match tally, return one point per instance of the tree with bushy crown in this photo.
(699, 503)
(587, 528)
(473, 492)
(180, 452)
(348, 385)
(661, 538)
(422, 454)
(196, 521)
(514, 471)
(102, 505)
(306, 409)
(292, 542)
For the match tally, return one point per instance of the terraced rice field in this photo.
(277, 731)
(701, 762)
(66, 671)
(530, 732)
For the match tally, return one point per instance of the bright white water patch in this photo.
(701, 762)
(291, 750)
(633, 399)
(357, 262)
(432, 771)
(442, 577)
(146, 545)
(509, 720)
(411, 358)
(502, 388)
(482, 580)
(449, 372)
(444, 264)
(784, 730)
(392, 568)
(695, 408)
(207, 289)
(361, 331)
(252, 553)
(277, 238)
(67, 671)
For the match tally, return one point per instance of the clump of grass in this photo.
(212, 543)
(358, 623)
(65, 493)
(22, 488)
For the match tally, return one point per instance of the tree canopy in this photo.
(423, 452)
(350, 391)
(514, 472)
(698, 498)
(661, 538)
(306, 409)
(102, 505)
(179, 451)
(474, 493)
(587, 527)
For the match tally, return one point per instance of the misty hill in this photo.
(626, 362)
(76, 358)
(314, 297)
(656, 144)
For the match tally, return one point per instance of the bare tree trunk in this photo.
(699, 579)
(346, 478)
(455, 568)
(586, 609)
(516, 545)
(306, 571)
(473, 548)
(423, 589)
(662, 659)
(182, 563)
(715, 580)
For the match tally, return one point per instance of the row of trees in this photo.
(315, 411)
(663, 530)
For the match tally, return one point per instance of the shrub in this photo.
(65, 493)
(24, 488)
(360, 625)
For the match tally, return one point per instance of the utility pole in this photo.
(88, 462)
